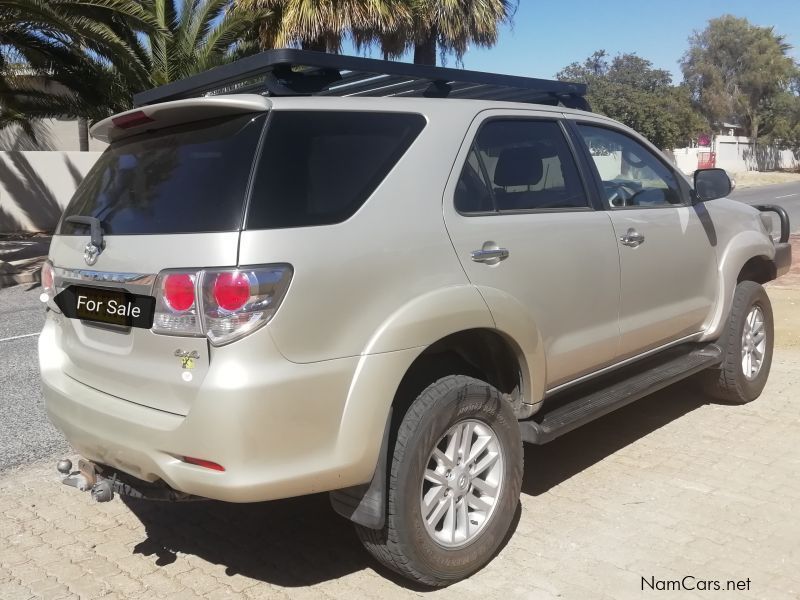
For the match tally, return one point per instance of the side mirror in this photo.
(710, 184)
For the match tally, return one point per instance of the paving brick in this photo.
(14, 591)
(704, 489)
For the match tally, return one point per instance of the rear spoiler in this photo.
(167, 114)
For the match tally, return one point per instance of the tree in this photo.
(736, 71)
(627, 88)
(193, 36)
(56, 57)
(322, 24)
(428, 27)
(444, 26)
(783, 121)
(86, 58)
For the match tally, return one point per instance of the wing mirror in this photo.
(710, 184)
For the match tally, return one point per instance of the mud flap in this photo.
(365, 504)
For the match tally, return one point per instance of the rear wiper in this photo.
(95, 229)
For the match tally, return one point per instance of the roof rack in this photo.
(291, 72)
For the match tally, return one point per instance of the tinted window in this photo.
(519, 165)
(631, 174)
(186, 179)
(319, 167)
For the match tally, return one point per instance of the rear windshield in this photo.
(319, 167)
(190, 178)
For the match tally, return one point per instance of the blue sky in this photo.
(547, 35)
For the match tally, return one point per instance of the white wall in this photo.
(686, 159)
(36, 186)
(64, 136)
(51, 134)
(735, 154)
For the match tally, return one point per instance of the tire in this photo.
(405, 544)
(729, 382)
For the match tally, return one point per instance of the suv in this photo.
(255, 296)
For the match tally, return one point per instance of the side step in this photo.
(589, 403)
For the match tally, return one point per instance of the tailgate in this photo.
(169, 197)
(132, 363)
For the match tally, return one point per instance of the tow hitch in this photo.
(103, 482)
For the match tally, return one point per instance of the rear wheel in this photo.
(747, 347)
(454, 485)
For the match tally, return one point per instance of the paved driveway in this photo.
(667, 488)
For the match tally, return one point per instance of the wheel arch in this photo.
(748, 256)
(446, 332)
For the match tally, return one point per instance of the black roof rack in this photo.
(290, 72)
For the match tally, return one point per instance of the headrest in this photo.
(518, 166)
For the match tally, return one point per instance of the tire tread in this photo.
(384, 544)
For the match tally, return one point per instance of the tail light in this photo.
(176, 307)
(179, 291)
(222, 304)
(48, 279)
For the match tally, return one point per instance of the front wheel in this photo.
(746, 345)
(454, 485)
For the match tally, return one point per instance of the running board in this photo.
(590, 403)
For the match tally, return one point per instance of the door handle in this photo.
(490, 255)
(632, 238)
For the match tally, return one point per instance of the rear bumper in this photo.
(279, 429)
(783, 258)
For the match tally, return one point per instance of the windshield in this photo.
(190, 178)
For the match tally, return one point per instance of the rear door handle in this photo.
(490, 255)
(632, 238)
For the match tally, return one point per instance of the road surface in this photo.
(25, 432)
(786, 195)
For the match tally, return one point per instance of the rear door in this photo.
(666, 249)
(522, 223)
(168, 198)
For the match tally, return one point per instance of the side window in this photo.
(631, 174)
(319, 167)
(519, 165)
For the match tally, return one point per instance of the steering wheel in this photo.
(619, 194)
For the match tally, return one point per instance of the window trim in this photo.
(588, 190)
(598, 181)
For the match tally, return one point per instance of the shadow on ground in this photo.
(301, 541)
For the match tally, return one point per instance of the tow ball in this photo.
(86, 479)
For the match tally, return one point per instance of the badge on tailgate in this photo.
(105, 305)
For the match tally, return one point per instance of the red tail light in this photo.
(179, 291)
(132, 119)
(203, 463)
(221, 304)
(231, 290)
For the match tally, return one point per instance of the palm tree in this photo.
(450, 26)
(429, 27)
(86, 58)
(56, 56)
(195, 36)
(322, 24)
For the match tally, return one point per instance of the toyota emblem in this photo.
(90, 253)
